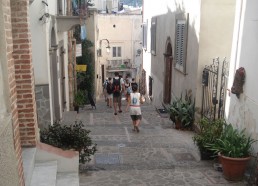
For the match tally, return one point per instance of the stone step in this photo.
(67, 179)
(28, 158)
(44, 174)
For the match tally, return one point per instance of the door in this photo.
(168, 74)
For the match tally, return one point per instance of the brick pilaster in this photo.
(24, 76)
(12, 86)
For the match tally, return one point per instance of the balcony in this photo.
(119, 65)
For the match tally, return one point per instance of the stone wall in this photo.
(8, 163)
(43, 105)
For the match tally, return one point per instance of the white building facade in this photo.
(180, 38)
(123, 34)
(50, 23)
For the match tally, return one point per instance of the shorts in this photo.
(110, 96)
(117, 98)
(136, 117)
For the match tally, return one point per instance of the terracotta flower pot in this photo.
(233, 168)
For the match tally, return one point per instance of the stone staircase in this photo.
(46, 165)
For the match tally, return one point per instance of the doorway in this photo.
(168, 73)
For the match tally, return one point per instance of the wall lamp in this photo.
(99, 52)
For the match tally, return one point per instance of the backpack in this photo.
(105, 84)
(116, 85)
(129, 89)
(109, 88)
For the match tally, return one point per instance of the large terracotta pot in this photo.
(233, 168)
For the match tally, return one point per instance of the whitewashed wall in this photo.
(165, 12)
(216, 33)
(242, 112)
(209, 35)
(39, 42)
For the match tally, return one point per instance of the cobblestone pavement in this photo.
(157, 156)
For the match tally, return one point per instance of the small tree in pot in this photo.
(234, 149)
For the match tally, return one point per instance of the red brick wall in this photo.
(12, 85)
(24, 73)
(21, 80)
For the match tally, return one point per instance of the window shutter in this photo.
(181, 42)
(118, 51)
(60, 7)
(153, 35)
(145, 31)
(114, 51)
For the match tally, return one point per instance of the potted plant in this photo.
(79, 100)
(208, 132)
(234, 149)
(182, 113)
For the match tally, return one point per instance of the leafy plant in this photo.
(85, 80)
(70, 137)
(209, 131)
(79, 98)
(182, 110)
(232, 143)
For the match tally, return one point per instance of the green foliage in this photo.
(70, 137)
(209, 132)
(85, 80)
(232, 143)
(183, 110)
(79, 98)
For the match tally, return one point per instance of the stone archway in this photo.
(168, 72)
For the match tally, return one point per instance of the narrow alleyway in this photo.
(157, 156)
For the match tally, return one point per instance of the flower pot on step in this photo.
(233, 168)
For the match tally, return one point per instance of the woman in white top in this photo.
(135, 101)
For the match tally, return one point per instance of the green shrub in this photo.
(79, 98)
(209, 132)
(70, 137)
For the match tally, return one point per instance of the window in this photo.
(153, 35)
(181, 42)
(117, 51)
(60, 7)
(144, 37)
